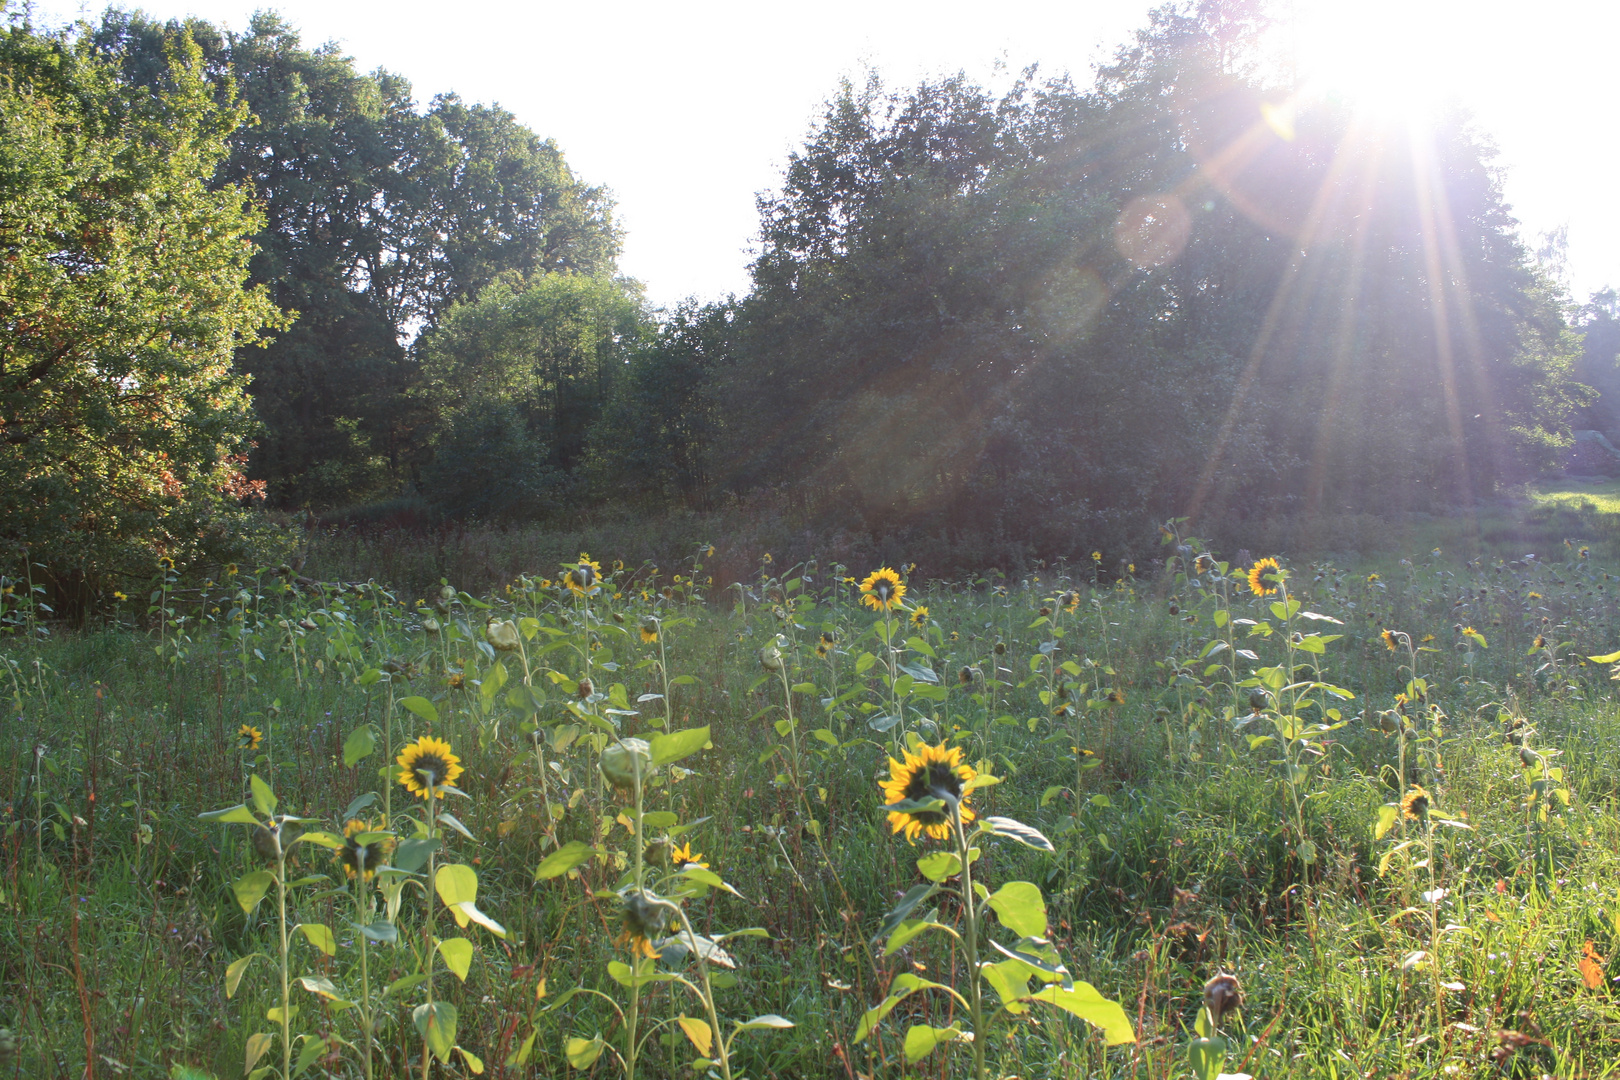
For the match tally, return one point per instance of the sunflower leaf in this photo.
(1027, 835)
(908, 903)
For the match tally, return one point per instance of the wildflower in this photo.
(828, 637)
(1541, 642)
(618, 564)
(428, 765)
(166, 563)
(456, 680)
(1586, 552)
(767, 559)
(1371, 578)
(919, 616)
(1260, 572)
(639, 921)
(822, 650)
(1130, 568)
(965, 676)
(248, 738)
(1389, 639)
(685, 856)
(882, 590)
(362, 859)
(116, 594)
(709, 552)
(1096, 556)
(1532, 595)
(955, 636)
(1204, 563)
(932, 772)
(649, 630)
(1415, 804)
(1116, 697)
(1070, 600)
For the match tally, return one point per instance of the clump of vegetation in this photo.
(1263, 818)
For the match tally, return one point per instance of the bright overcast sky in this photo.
(686, 111)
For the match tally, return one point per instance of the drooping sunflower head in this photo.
(649, 630)
(1263, 577)
(919, 616)
(639, 921)
(360, 859)
(1116, 697)
(822, 650)
(882, 590)
(1415, 804)
(932, 772)
(165, 563)
(231, 569)
(428, 764)
(1070, 600)
(248, 738)
(1389, 639)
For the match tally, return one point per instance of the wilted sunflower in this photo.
(248, 738)
(362, 859)
(685, 856)
(428, 760)
(1415, 804)
(1389, 639)
(639, 920)
(932, 772)
(1070, 600)
(1116, 697)
(1258, 574)
(882, 590)
(919, 616)
(649, 630)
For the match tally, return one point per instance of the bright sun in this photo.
(1391, 60)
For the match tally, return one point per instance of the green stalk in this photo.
(286, 988)
(635, 958)
(970, 940)
(432, 948)
(362, 917)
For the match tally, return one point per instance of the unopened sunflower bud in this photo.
(267, 842)
(770, 658)
(1222, 994)
(1001, 648)
(1528, 757)
(624, 760)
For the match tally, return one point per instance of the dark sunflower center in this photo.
(882, 590)
(433, 766)
(935, 781)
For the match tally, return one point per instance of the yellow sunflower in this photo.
(1389, 639)
(883, 590)
(1415, 804)
(685, 856)
(1258, 575)
(639, 920)
(584, 577)
(362, 859)
(248, 738)
(919, 616)
(932, 772)
(428, 760)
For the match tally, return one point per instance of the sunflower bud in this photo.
(770, 658)
(267, 842)
(1528, 757)
(1222, 994)
(621, 762)
(503, 634)
(1001, 648)
(1258, 700)
(430, 625)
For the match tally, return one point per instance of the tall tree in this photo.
(123, 294)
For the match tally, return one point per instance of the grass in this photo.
(1177, 851)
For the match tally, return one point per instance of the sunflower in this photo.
(828, 638)
(919, 616)
(230, 569)
(248, 738)
(932, 772)
(583, 577)
(362, 859)
(1258, 574)
(1415, 804)
(822, 650)
(1070, 600)
(1096, 556)
(428, 762)
(685, 856)
(882, 590)
(1116, 697)
(638, 922)
(1389, 639)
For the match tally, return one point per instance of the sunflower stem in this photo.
(970, 909)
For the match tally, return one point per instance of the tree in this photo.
(518, 377)
(123, 296)
(378, 217)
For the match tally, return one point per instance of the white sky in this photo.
(687, 110)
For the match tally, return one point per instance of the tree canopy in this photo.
(123, 296)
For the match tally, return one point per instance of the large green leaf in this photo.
(1085, 1002)
(251, 887)
(564, 859)
(458, 954)
(1021, 908)
(922, 1040)
(678, 744)
(437, 1024)
(422, 707)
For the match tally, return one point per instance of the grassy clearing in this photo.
(1206, 810)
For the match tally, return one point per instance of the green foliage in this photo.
(123, 426)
